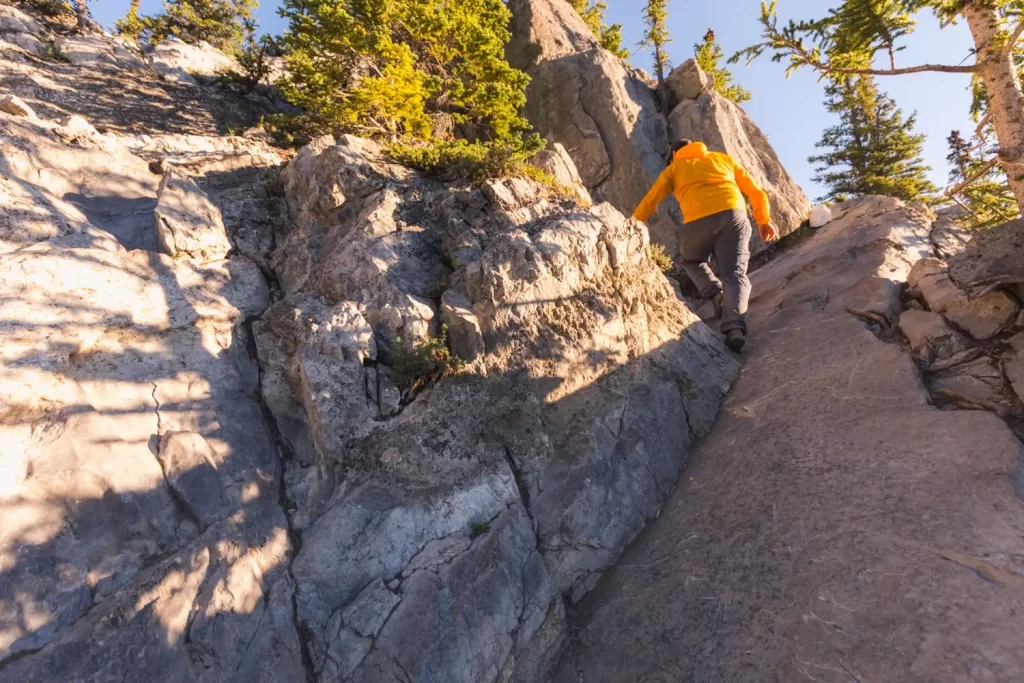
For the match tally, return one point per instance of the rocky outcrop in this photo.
(19, 31)
(97, 49)
(831, 462)
(443, 522)
(724, 127)
(179, 62)
(611, 121)
(981, 317)
(556, 162)
(592, 103)
(141, 482)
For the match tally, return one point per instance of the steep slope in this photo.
(835, 525)
(226, 456)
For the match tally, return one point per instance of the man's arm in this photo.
(656, 195)
(755, 194)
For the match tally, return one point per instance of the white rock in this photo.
(187, 223)
(178, 61)
(820, 216)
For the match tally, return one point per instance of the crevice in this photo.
(284, 454)
(521, 485)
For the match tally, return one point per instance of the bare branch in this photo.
(922, 68)
(1014, 37)
(981, 125)
(817, 64)
(957, 189)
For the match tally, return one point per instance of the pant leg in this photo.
(732, 254)
(696, 242)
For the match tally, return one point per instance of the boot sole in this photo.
(736, 344)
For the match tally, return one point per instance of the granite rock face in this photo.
(618, 130)
(499, 490)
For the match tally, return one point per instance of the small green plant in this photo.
(51, 51)
(463, 160)
(480, 528)
(253, 59)
(419, 365)
(291, 132)
(660, 258)
(52, 8)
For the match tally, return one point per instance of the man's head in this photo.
(676, 146)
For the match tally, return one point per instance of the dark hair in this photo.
(676, 146)
(679, 144)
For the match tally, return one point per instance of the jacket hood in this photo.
(692, 151)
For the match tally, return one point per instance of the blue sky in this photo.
(790, 112)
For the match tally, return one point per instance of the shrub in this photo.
(660, 258)
(462, 160)
(420, 365)
(396, 70)
(221, 23)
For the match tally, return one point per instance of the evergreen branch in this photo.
(957, 189)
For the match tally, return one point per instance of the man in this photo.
(710, 188)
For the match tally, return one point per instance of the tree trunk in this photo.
(1002, 84)
(659, 63)
(83, 14)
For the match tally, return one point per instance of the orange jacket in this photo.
(705, 183)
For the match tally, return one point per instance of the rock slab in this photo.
(828, 464)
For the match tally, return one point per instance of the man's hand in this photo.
(769, 233)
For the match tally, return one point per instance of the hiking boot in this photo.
(718, 302)
(735, 340)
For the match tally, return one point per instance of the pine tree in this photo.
(872, 150)
(852, 37)
(132, 25)
(393, 68)
(218, 22)
(987, 196)
(656, 37)
(709, 57)
(610, 37)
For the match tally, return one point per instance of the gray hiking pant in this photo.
(727, 236)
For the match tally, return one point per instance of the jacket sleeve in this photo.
(757, 196)
(656, 195)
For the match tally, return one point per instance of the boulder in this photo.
(821, 216)
(188, 224)
(992, 259)
(556, 162)
(981, 317)
(583, 97)
(686, 82)
(13, 105)
(179, 62)
(724, 127)
(930, 337)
